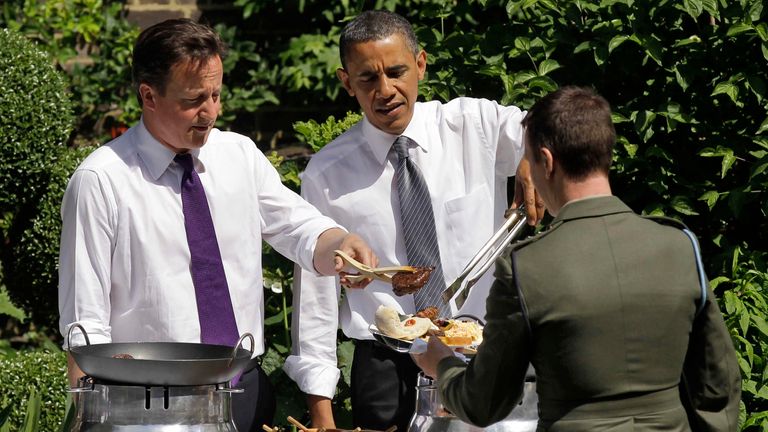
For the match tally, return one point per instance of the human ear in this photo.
(421, 63)
(549, 162)
(147, 94)
(344, 78)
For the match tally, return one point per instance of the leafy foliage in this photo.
(33, 390)
(316, 135)
(92, 41)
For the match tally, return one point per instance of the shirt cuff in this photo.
(74, 337)
(312, 377)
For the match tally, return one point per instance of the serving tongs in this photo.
(379, 273)
(456, 294)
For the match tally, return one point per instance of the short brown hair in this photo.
(575, 124)
(167, 43)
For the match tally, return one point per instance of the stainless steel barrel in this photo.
(431, 416)
(114, 407)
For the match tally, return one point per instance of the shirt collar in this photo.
(156, 157)
(380, 142)
(591, 207)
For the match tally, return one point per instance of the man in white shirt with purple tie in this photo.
(132, 268)
(465, 151)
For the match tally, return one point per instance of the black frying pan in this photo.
(161, 363)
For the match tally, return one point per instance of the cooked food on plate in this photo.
(388, 322)
(426, 324)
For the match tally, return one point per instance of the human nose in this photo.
(386, 87)
(211, 107)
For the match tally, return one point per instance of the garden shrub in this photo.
(36, 122)
(34, 372)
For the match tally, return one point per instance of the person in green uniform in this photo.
(611, 308)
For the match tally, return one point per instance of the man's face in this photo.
(383, 76)
(182, 118)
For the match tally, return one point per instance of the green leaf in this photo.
(764, 49)
(710, 197)
(32, 418)
(763, 127)
(739, 28)
(601, 54)
(710, 6)
(727, 88)
(694, 39)
(762, 31)
(728, 159)
(693, 7)
(761, 324)
(7, 308)
(616, 41)
(683, 205)
(523, 43)
(757, 85)
(682, 81)
(548, 66)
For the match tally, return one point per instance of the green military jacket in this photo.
(604, 306)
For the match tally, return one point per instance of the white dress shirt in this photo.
(466, 151)
(124, 260)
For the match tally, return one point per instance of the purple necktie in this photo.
(214, 306)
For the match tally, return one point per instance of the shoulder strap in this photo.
(696, 251)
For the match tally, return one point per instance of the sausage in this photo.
(409, 282)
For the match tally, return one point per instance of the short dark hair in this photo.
(375, 25)
(167, 43)
(575, 124)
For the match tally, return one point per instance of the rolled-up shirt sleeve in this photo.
(288, 223)
(315, 322)
(85, 259)
(312, 363)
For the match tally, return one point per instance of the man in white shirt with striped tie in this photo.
(464, 150)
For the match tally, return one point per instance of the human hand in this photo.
(525, 192)
(328, 263)
(436, 351)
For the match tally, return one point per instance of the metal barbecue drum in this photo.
(119, 407)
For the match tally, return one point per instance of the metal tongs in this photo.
(456, 294)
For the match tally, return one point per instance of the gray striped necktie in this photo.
(418, 222)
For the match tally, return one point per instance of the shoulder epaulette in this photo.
(666, 220)
(524, 242)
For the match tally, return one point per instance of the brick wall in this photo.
(144, 13)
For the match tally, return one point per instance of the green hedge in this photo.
(30, 373)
